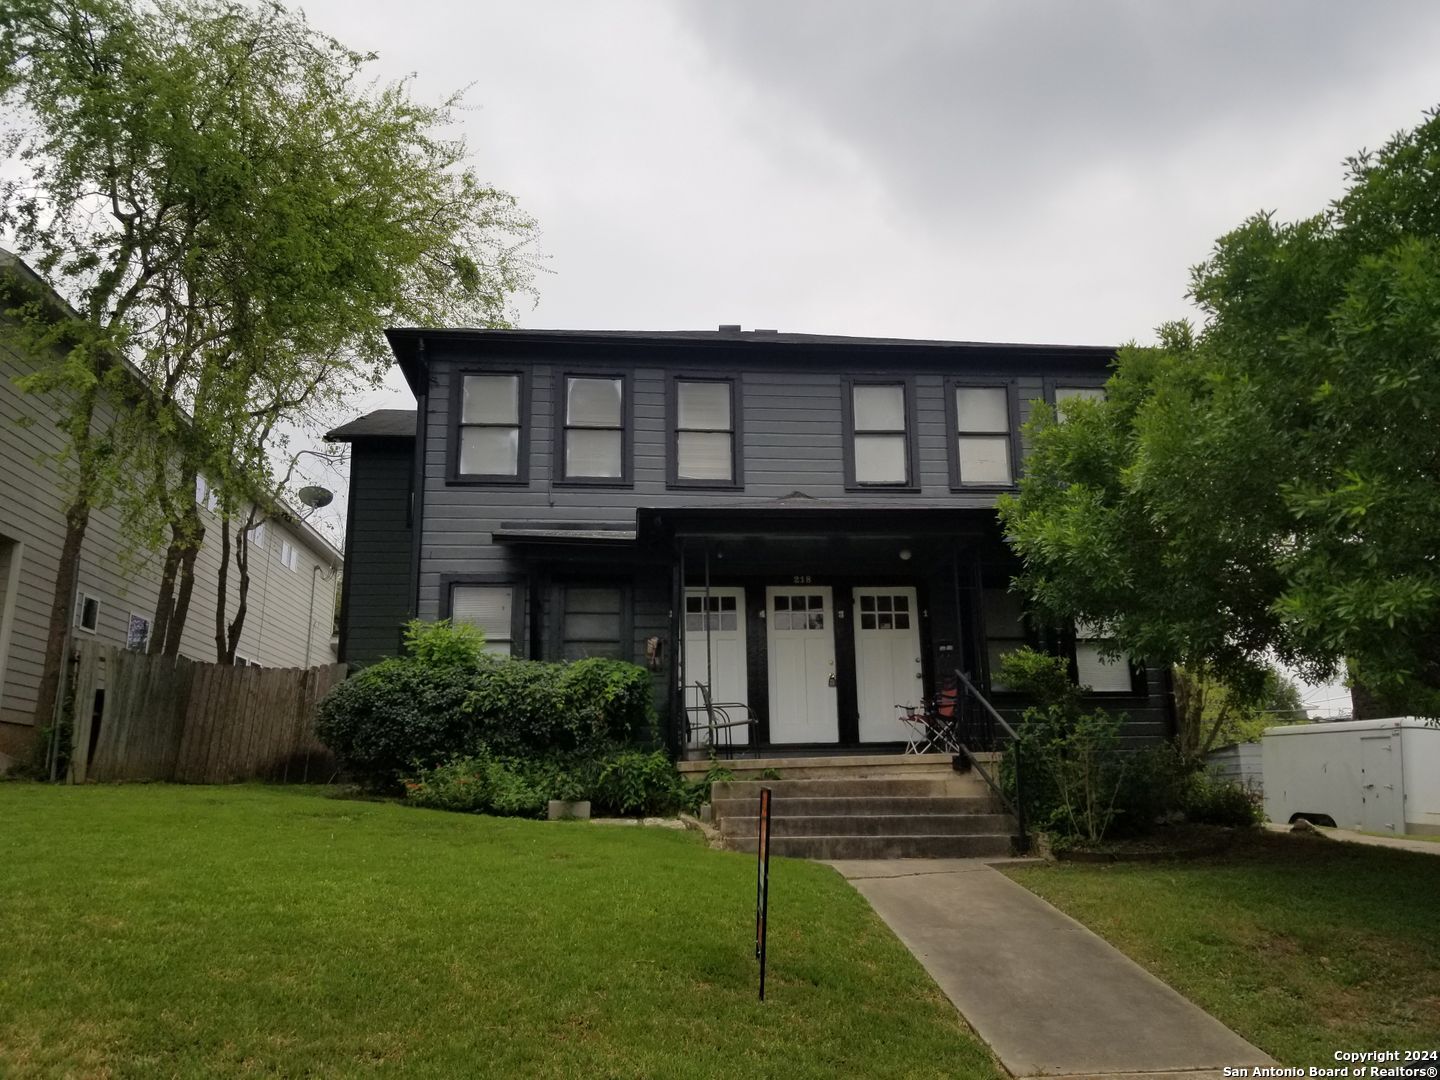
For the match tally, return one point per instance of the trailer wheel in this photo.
(1323, 820)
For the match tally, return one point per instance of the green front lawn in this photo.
(153, 930)
(1303, 945)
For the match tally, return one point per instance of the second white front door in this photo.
(887, 660)
(800, 626)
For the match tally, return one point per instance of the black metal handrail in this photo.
(980, 728)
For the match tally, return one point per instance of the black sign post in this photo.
(762, 883)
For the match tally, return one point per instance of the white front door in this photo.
(725, 650)
(800, 624)
(887, 660)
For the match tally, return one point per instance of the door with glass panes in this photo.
(715, 656)
(888, 676)
(800, 627)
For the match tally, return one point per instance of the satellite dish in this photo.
(316, 497)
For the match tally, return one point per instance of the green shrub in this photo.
(1073, 769)
(586, 707)
(383, 719)
(1210, 800)
(409, 714)
(444, 643)
(636, 782)
(480, 784)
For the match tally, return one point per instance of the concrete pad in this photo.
(1400, 843)
(1048, 995)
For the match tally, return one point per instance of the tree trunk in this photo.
(242, 563)
(177, 581)
(165, 603)
(182, 596)
(77, 520)
(222, 588)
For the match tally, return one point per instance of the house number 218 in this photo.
(801, 579)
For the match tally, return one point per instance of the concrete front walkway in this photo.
(1048, 995)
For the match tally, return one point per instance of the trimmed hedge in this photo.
(402, 716)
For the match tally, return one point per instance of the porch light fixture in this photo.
(904, 554)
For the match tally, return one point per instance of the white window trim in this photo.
(289, 556)
(80, 599)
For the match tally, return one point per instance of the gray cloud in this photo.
(997, 100)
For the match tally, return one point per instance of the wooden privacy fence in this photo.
(140, 717)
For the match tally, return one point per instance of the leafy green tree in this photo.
(237, 212)
(1268, 486)
(1209, 714)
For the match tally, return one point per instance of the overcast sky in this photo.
(974, 169)
(1006, 170)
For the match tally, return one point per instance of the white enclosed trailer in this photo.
(1376, 775)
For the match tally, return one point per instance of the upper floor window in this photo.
(1075, 392)
(257, 537)
(705, 450)
(205, 494)
(982, 439)
(878, 422)
(490, 427)
(593, 430)
(289, 555)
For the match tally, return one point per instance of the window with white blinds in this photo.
(594, 428)
(489, 607)
(983, 436)
(1064, 394)
(704, 431)
(880, 441)
(490, 427)
(1093, 669)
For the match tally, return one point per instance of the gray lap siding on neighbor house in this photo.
(793, 438)
(377, 598)
(35, 482)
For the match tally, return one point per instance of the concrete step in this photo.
(832, 766)
(873, 825)
(837, 806)
(891, 787)
(978, 846)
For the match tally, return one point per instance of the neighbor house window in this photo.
(1093, 669)
(705, 451)
(490, 427)
(490, 608)
(87, 612)
(880, 439)
(289, 556)
(205, 495)
(1005, 631)
(593, 429)
(137, 633)
(983, 439)
(257, 537)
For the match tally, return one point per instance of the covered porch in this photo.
(824, 624)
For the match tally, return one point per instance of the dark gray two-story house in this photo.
(803, 524)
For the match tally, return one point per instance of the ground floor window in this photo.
(1092, 669)
(1004, 613)
(491, 609)
(592, 622)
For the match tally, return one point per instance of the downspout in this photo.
(310, 618)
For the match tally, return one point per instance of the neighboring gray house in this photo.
(292, 567)
(804, 524)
